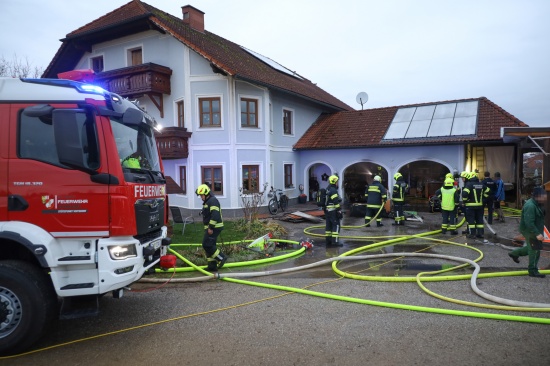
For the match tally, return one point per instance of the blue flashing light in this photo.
(92, 89)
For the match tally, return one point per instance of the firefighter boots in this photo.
(221, 259)
(335, 242)
(212, 266)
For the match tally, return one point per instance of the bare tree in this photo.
(19, 68)
(252, 201)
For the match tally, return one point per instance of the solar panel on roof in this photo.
(418, 128)
(272, 63)
(435, 120)
(424, 112)
(440, 127)
(397, 130)
(464, 126)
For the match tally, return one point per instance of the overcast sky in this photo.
(397, 51)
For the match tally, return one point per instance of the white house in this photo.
(236, 119)
(231, 116)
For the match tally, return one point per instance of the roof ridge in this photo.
(137, 2)
(228, 56)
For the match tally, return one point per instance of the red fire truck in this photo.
(83, 206)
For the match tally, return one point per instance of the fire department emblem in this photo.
(47, 201)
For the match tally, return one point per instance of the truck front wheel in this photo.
(27, 305)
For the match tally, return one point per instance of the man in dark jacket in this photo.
(499, 196)
(490, 200)
(398, 197)
(531, 226)
(376, 196)
(333, 213)
(213, 226)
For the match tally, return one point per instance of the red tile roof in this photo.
(225, 55)
(366, 128)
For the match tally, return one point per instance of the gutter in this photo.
(254, 81)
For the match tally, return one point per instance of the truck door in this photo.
(44, 192)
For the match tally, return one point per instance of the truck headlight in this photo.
(119, 252)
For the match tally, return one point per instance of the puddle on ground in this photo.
(377, 267)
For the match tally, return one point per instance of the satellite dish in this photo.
(362, 98)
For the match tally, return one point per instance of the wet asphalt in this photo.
(226, 323)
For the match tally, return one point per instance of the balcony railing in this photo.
(173, 142)
(134, 81)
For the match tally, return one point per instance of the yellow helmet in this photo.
(397, 175)
(377, 178)
(333, 179)
(449, 182)
(464, 174)
(472, 175)
(202, 189)
(449, 175)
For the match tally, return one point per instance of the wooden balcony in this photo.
(173, 142)
(136, 81)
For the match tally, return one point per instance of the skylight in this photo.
(272, 63)
(436, 120)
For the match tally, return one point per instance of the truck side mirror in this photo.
(132, 117)
(68, 139)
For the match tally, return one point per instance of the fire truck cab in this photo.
(83, 206)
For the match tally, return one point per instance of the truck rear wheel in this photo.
(27, 305)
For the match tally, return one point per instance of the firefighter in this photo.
(490, 201)
(449, 197)
(473, 195)
(376, 196)
(333, 213)
(464, 175)
(213, 225)
(398, 197)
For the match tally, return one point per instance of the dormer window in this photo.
(97, 64)
(135, 56)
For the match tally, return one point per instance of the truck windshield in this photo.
(136, 146)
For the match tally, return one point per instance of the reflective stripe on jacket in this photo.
(449, 198)
(376, 194)
(333, 199)
(474, 192)
(212, 213)
(399, 189)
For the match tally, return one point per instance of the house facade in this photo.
(230, 116)
(237, 120)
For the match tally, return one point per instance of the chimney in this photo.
(193, 17)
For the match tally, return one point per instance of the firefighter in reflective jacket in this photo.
(333, 213)
(376, 196)
(213, 225)
(398, 197)
(449, 197)
(464, 175)
(473, 195)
